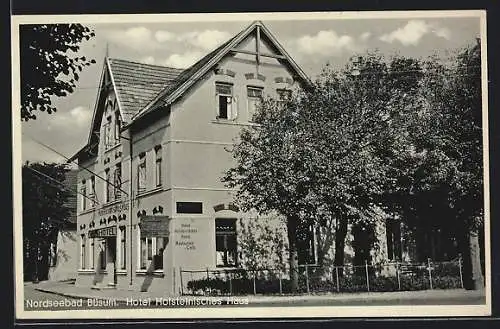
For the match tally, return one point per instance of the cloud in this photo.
(184, 60)
(138, 37)
(365, 36)
(142, 38)
(413, 31)
(77, 117)
(148, 60)
(162, 36)
(207, 40)
(325, 43)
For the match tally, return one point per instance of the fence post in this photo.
(430, 271)
(337, 275)
(367, 276)
(460, 269)
(254, 286)
(182, 286)
(281, 287)
(307, 278)
(397, 274)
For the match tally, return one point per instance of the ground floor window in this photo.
(123, 248)
(91, 253)
(82, 251)
(151, 253)
(225, 242)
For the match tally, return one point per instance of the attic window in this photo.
(224, 97)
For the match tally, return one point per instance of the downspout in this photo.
(130, 197)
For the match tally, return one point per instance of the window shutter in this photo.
(234, 108)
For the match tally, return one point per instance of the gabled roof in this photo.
(197, 70)
(136, 84)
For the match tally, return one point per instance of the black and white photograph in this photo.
(251, 165)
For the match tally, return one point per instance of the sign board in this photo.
(154, 226)
(103, 232)
(122, 206)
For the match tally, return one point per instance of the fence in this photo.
(393, 276)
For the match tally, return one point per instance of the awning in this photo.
(105, 232)
(154, 226)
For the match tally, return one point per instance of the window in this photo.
(225, 242)
(225, 107)
(91, 253)
(92, 193)
(82, 251)
(141, 173)
(83, 195)
(123, 248)
(117, 127)
(53, 254)
(158, 165)
(102, 254)
(306, 245)
(151, 253)
(107, 133)
(107, 190)
(189, 207)
(117, 181)
(284, 95)
(254, 96)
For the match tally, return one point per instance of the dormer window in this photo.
(226, 107)
(107, 133)
(117, 127)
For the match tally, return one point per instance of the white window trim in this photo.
(232, 113)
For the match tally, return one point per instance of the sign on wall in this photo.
(154, 226)
(103, 232)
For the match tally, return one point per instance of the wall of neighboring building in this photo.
(66, 264)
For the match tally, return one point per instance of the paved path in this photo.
(133, 299)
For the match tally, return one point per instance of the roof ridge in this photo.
(140, 63)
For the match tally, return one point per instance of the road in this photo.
(34, 299)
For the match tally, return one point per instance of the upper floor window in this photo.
(117, 181)
(117, 127)
(92, 193)
(107, 133)
(107, 189)
(225, 107)
(83, 195)
(158, 165)
(141, 173)
(254, 96)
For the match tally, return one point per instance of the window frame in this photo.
(117, 181)
(92, 253)
(83, 195)
(251, 99)
(141, 166)
(83, 252)
(226, 251)
(230, 96)
(107, 186)
(158, 164)
(123, 248)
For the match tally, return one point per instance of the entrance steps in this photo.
(109, 286)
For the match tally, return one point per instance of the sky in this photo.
(311, 43)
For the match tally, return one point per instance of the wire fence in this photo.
(393, 276)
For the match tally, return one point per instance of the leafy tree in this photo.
(444, 175)
(320, 158)
(44, 209)
(49, 64)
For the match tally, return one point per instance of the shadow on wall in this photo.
(157, 263)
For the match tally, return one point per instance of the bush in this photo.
(244, 286)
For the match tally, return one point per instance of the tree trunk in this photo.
(475, 260)
(292, 223)
(340, 235)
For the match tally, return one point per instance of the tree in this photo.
(48, 67)
(320, 157)
(44, 209)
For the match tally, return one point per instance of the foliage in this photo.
(44, 208)
(48, 67)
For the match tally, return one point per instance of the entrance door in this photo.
(111, 260)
